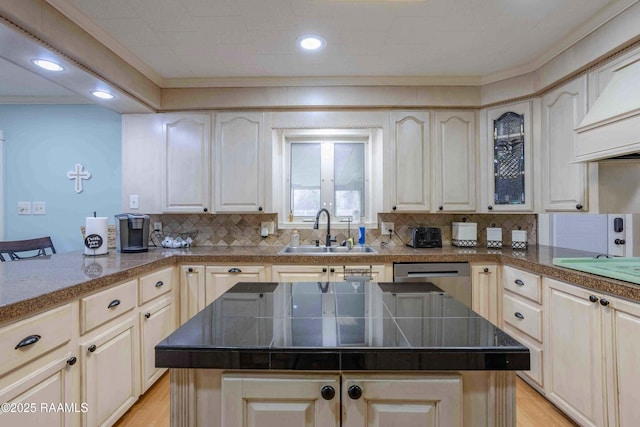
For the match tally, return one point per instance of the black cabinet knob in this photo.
(440, 208)
(354, 392)
(578, 206)
(604, 302)
(260, 208)
(147, 315)
(394, 208)
(328, 392)
(324, 270)
(206, 209)
(486, 270)
(593, 298)
(71, 361)
(190, 270)
(619, 241)
(490, 207)
(92, 348)
(332, 270)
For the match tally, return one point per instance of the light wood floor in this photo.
(532, 410)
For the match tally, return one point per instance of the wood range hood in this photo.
(611, 129)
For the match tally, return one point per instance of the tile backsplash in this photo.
(244, 229)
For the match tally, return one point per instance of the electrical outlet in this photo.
(24, 208)
(157, 226)
(385, 227)
(134, 201)
(269, 225)
(39, 208)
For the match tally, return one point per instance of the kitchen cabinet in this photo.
(317, 400)
(564, 184)
(221, 278)
(523, 318)
(455, 160)
(192, 297)
(239, 163)
(509, 185)
(326, 273)
(110, 372)
(38, 366)
(411, 189)
(157, 321)
(574, 366)
(186, 163)
(485, 292)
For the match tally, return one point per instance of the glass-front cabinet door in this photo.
(510, 157)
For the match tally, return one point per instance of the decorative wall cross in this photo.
(78, 174)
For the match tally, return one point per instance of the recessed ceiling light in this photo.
(102, 94)
(309, 42)
(47, 65)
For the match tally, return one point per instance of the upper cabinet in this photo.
(411, 169)
(239, 162)
(455, 160)
(509, 154)
(187, 138)
(564, 184)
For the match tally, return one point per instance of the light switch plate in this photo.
(24, 208)
(39, 208)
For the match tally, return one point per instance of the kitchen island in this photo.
(343, 353)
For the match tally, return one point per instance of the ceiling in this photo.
(181, 43)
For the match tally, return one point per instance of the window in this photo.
(328, 173)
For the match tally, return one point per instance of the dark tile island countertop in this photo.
(29, 286)
(340, 326)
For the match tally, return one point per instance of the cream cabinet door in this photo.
(110, 373)
(411, 189)
(573, 376)
(277, 401)
(300, 273)
(187, 138)
(34, 399)
(220, 279)
(192, 293)
(485, 292)
(394, 400)
(564, 184)
(455, 160)
(239, 174)
(157, 321)
(623, 353)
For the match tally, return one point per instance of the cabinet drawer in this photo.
(523, 316)
(535, 352)
(30, 338)
(522, 283)
(155, 284)
(99, 308)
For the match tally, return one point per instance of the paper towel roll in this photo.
(96, 236)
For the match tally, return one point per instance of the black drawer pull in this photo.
(71, 361)
(30, 340)
(92, 348)
(519, 315)
(519, 282)
(235, 270)
(114, 303)
(159, 284)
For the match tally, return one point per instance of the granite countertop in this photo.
(340, 326)
(32, 285)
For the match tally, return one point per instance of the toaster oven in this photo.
(425, 237)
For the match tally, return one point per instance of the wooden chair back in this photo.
(40, 244)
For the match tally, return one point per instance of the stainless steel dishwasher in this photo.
(452, 277)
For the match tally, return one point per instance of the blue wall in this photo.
(43, 143)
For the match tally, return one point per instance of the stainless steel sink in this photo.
(323, 250)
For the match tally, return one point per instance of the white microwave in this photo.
(609, 234)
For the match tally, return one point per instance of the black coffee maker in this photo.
(132, 232)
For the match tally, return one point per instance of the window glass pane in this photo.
(508, 159)
(349, 178)
(305, 178)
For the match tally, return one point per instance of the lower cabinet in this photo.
(350, 400)
(192, 280)
(157, 321)
(485, 291)
(110, 372)
(220, 279)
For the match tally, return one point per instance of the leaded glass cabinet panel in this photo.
(510, 156)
